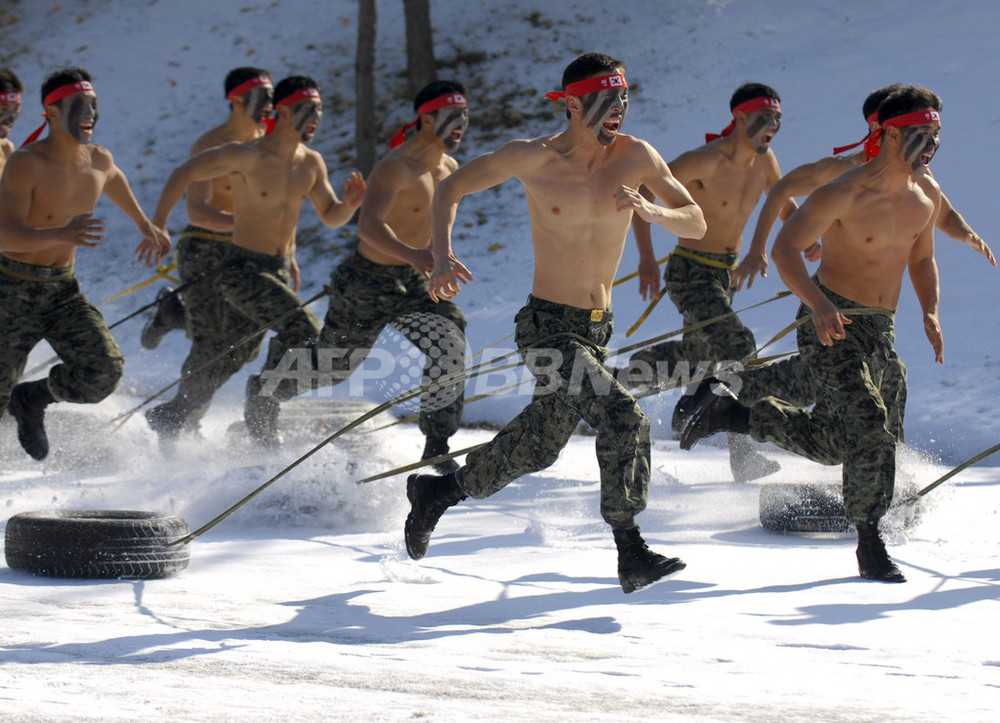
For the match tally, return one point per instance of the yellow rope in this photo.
(162, 272)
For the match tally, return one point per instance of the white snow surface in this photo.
(303, 605)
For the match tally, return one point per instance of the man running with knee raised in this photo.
(582, 190)
(201, 248)
(271, 177)
(47, 197)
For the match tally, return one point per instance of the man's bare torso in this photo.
(410, 215)
(577, 230)
(866, 250)
(727, 192)
(267, 197)
(59, 192)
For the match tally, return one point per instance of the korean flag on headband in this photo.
(615, 81)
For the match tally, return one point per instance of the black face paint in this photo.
(920, 142)
(306, 116)
(257, 102)
(760, 124)
(8, 116)
(78, 116)
(452, 119)
(605, 106)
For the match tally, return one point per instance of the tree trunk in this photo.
(364, 82)
(420, 66)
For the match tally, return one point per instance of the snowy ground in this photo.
(304, 606)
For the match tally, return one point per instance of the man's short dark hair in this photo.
(291, 85)
(64, 76)
(875, 98)
(589, 65)
(436, 90)
(749, 91)
(238, 76)
(9, 82)
(910, 99)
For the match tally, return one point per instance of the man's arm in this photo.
(780, 202)
(16, 189)
(649, 270)
(214, 162)
(924, 277)
(331, 210)
(803, 229)
(952, 223)
(482, 172)
(678, 213)
(387, 180)
(155, 242)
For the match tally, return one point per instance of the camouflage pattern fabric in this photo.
(257, 288)
(53, 309)
(567, 359)
(210, 324)
(850, 424)
(365, 297)
(700, 292)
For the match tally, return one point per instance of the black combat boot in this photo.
(168, 315)
(429, 496)
(435, 447)
(874, 562)
(638, 566)
(711, 413)
(27, 405)
(261, 414)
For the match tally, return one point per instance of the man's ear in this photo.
(574, 104)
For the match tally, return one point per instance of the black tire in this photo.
(790, 508)
(96, 544)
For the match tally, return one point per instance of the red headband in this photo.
(301, 94)
(10, 97)
(747, 106)
(873, 118)
(55, 96)
(590, 85)
(918, 118)
(248, 85)
(429, 107)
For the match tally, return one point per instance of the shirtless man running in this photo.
(876, 221)
(385, 280)
(582, 190)
(270, 178)
(47, 197)
(201, 249)
(726, 177)
(806, 178)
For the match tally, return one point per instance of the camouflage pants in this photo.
(210, 323)
(49, 306)
(257, 293)
(788, 380)
(365, 297)
(701, 291)
(850, 423)
(567, 359)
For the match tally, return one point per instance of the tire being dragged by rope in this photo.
(791, 508)
(104, 544)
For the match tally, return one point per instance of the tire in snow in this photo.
(96, 544)
(811, 507)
